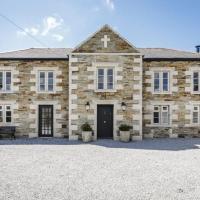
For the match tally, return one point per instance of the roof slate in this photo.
(62, 53)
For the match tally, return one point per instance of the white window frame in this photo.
(46, 72)
(195, 92)
(161, 91)
(161, 111)
(196, 108)
(4, 109)
(4, 90)
(105, 79)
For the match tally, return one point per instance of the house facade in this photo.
(105, 81)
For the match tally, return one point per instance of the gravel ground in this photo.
(51, 169)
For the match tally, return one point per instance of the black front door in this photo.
(45, 120)
(105, 121)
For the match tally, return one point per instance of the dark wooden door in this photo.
(105, 121)
(45, 120)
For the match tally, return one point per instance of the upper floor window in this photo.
(161, 115)
(5, 114)
(161, 82)
(46, 81)
(196, 82)
(105, 78)
(5, 81)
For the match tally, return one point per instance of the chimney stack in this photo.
(198, 48)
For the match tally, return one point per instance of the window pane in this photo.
(110, 79)
(195, 117)
(196, 81)
(1, 116)
(165, 81)
(100, 78)
(50, 81)
(42, 81)
(156, 82)
(165, 118)
(8, 116)
(156, 117)
(8, 81)
(1, 81)
(100, 86)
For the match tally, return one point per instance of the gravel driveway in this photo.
(51, 169)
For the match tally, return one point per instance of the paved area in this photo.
(51, 169)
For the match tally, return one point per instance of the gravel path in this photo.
(51, 169)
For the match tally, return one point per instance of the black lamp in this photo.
(87, 106)
(123, 105)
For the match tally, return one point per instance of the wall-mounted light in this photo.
(123, 105)
(87, 106)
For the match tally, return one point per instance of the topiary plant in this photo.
(86, 127)
(124, 127)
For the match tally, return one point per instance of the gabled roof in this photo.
(37, 53)
(93, 43)
(62, 53)
(163, 53)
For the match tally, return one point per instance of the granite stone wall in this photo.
(25, 98)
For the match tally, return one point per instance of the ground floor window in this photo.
(5, 114)
(161, 115)
(195, 114)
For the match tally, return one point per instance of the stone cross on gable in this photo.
(105, 41)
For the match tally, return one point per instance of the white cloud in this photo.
(58, 37)
(51, 26)
(32, 31)
(110, 4)
(51, 23)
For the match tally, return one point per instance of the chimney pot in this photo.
(198, 48)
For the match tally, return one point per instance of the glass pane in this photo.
(8, 116)
(50, 75)
(42, 87)
(1, 116)
(110, 86)
(100, 85)
(195, 117)
(101, 72)
(8, 81)
(50, 87)
(156, 85)
(1, 80)
(110, 72)
(165, 81)
(196, 81)
(156, 117)
(165, 118)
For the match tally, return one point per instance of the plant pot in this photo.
(87, 136)
(124, 136)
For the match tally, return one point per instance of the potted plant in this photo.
(86, 132)
(124, 132)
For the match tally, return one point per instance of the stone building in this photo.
(105, 81)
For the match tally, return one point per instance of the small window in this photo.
(105, 78)
(5, 114)
(46, 81)
(195, 115)
(161, 115)
(161, 82)
(5, 81)
(196, 82)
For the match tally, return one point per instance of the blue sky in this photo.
(65, 23)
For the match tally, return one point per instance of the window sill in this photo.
(161, 93)
(103, 91)
(159, 125)
(6, 92)
(39, 92)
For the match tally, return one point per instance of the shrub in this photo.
(86, 127)
(124, 127)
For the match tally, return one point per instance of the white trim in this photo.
(113, 54)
